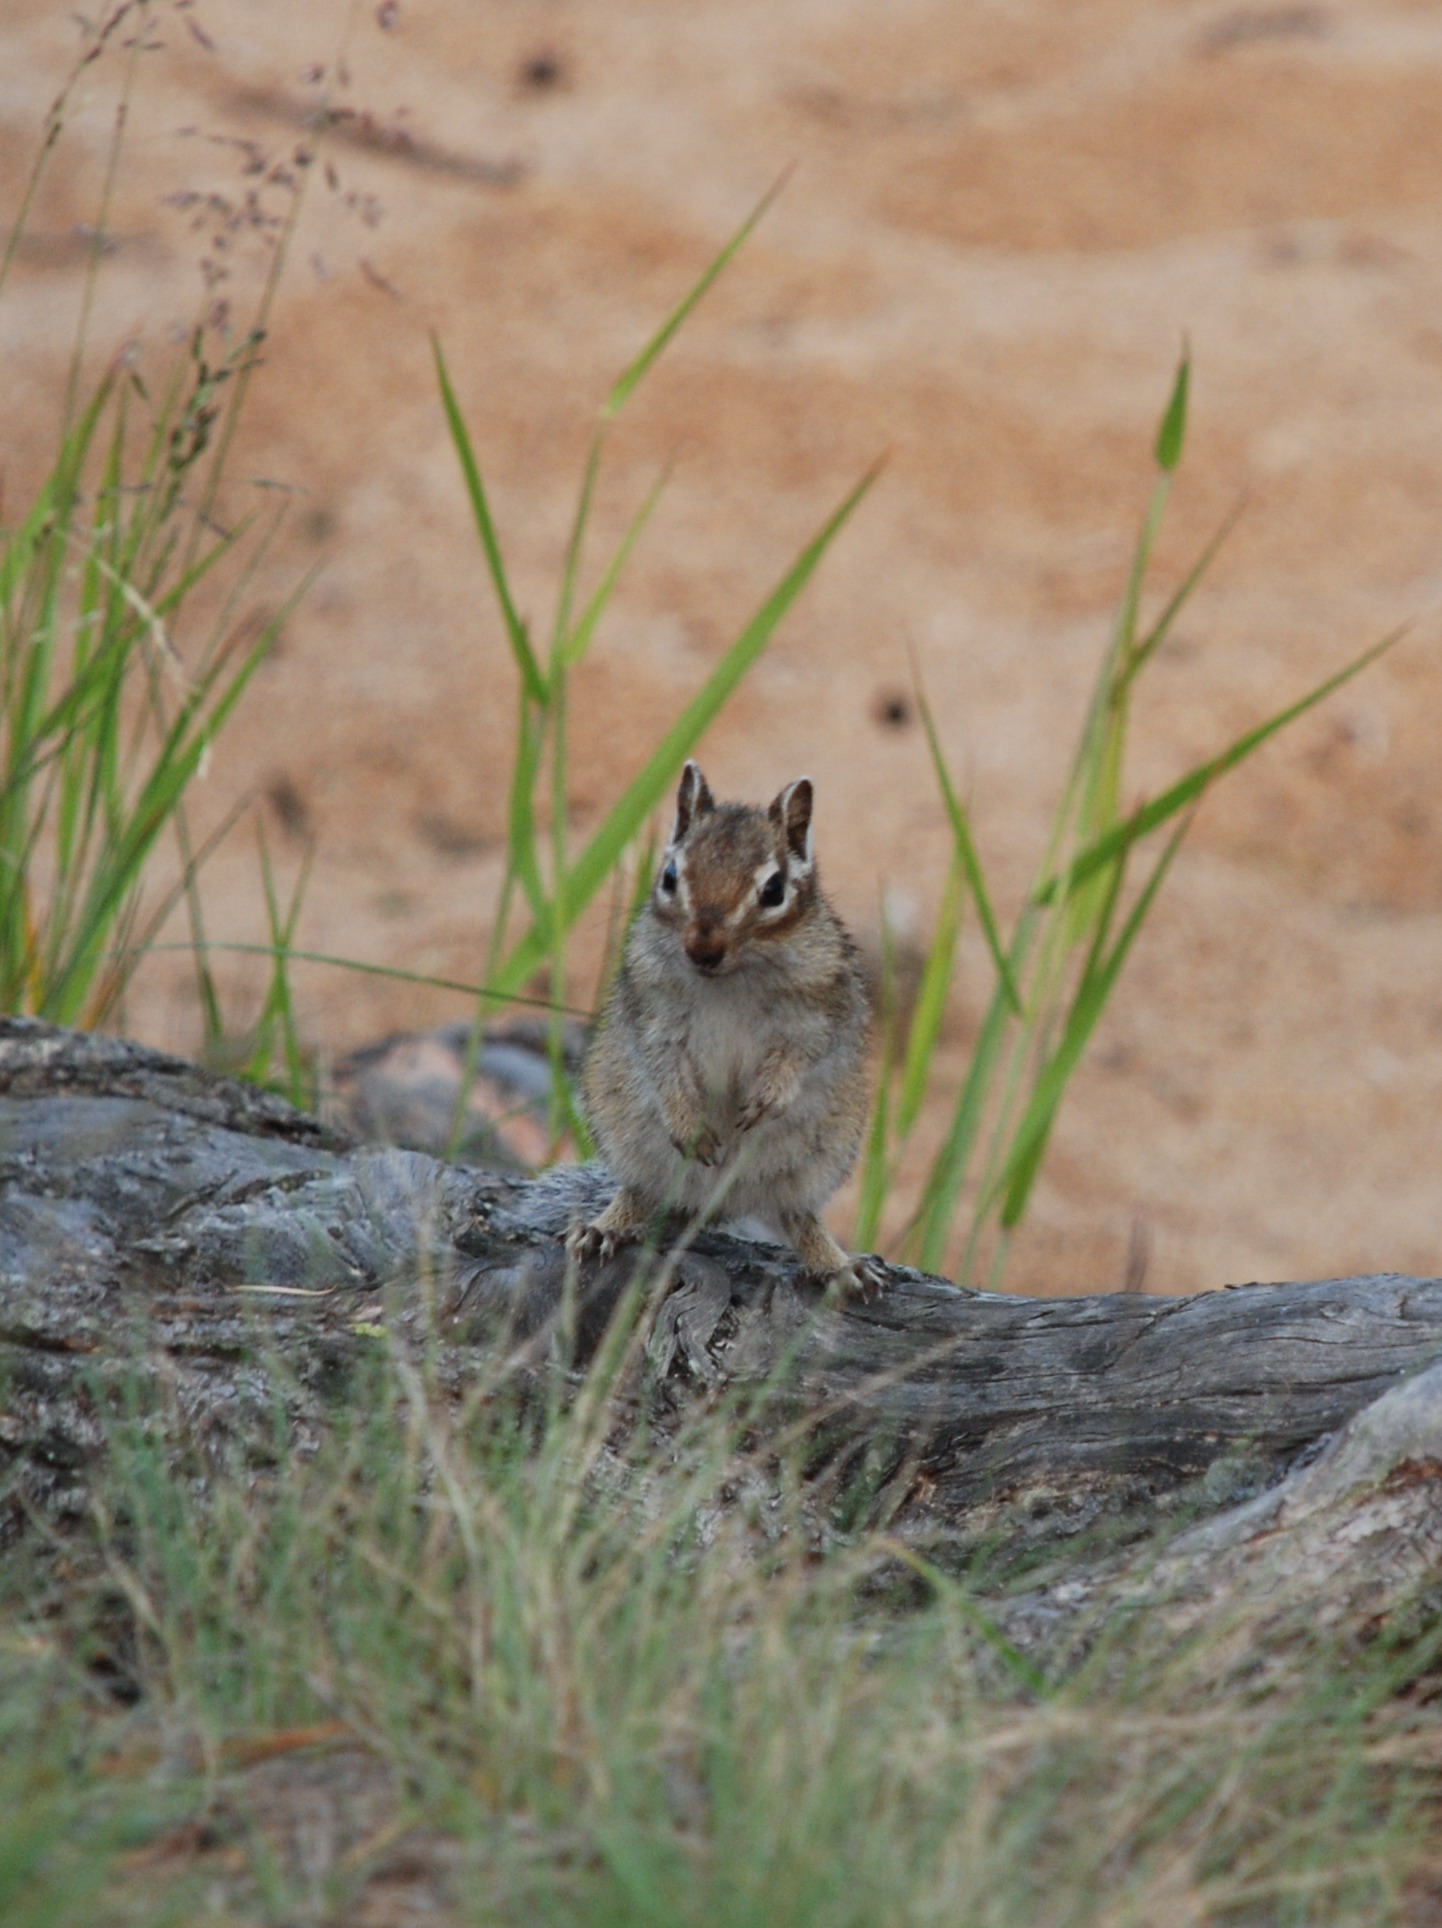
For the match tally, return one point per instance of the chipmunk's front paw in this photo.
(862, 1277)
(751, 1117)
(704, 1148)
(585, 1243)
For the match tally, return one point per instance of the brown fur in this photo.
(728, 1072)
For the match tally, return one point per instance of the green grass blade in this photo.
(45, 558)
(121, 958)
(1029, 1145)
(560, 920)
(876, 1157)
(581, 636)
(54, 123)
(967, 856)
(207, 992)
(1173, 431)
(174, 765)
(1162, 627)
(166, 604)
(481, 510)
(20, 545)
(1107, 902)
(631, 380)
(646, 790)
(521, 862)
(931, 1001)
(931, 1227)
(1150, 816)
(72, 710)
(570, 569)
(278, 1011)
(1097, 772)
(359, 965)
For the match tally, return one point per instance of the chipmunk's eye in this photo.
(773, 891)
(668, 879)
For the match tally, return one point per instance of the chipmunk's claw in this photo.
(585, 1243)
(862, 1277)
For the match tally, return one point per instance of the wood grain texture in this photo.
(161, 1222)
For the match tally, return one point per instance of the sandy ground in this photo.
(1002, 222)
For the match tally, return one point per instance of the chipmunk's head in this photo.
(735, 879)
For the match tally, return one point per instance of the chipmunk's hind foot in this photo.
(861, 1277)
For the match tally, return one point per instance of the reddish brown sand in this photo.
(1003, 220)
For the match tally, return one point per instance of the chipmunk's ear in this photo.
(693, 800)
(791, 813)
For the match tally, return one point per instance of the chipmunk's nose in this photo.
(705, 942)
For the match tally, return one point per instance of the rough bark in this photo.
(204, 1242)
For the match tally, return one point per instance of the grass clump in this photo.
(125, 642)
(575, 1670)
(1061, 965)
(104, 722)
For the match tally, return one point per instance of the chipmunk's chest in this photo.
(727, 1037)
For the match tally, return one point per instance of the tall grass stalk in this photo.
(276, 1056)
(108, 709)
(104, 723)
(1058, 970)
(542, 877)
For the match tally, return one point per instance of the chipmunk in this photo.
(727, 1074)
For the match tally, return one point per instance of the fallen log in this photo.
(200, 1239)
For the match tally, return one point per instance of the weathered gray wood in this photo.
(1342, 1541)
(160, 1221)
(1047, 1416)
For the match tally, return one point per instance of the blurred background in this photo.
(1003, 221)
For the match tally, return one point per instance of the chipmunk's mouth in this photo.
(707, 949)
